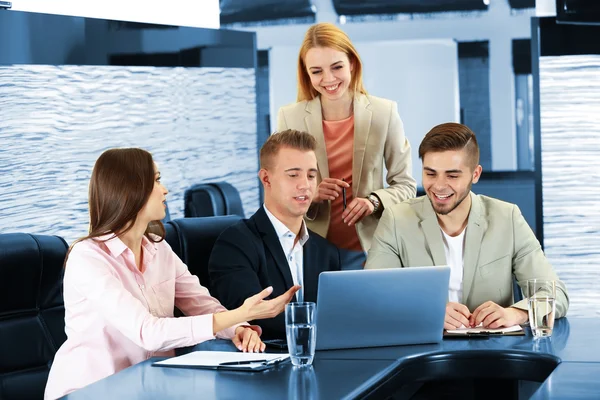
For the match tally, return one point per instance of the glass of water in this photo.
(301, 332)
(541, 295)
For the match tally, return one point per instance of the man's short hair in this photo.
(290, 138)
(451, 136)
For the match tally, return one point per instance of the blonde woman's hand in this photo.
(357, 210)
(329, 189)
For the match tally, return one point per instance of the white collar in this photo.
(283, 230)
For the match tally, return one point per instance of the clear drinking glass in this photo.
(541, 295)
(301, 332)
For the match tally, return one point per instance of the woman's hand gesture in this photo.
(256, 307)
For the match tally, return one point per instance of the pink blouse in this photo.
(117, 316)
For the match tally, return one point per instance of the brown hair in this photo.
(327, 35)
(289, 138)
(121, 183)
(451, 136)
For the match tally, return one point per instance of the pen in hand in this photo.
(344, 194)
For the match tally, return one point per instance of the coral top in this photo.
(339, 143)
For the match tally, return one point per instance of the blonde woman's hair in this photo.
(327, 35)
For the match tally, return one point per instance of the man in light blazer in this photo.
(485, 241)
(378, 140)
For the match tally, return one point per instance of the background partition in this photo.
(568, 156)
(55, 120)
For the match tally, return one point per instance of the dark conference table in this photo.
(568, 364)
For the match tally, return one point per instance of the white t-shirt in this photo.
(453, 247)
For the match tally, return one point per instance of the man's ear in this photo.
(477, 173)
(263, 175)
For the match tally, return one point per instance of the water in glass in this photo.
(541, 315)
(301, 341)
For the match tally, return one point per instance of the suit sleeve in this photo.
(233, 268)
(281, 122)
(384, 251)
(398, 161)
(530, 262)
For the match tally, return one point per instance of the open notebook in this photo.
(226, 360)
(515, 330)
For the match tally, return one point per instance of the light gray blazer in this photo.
(498, 244)
(378, 138)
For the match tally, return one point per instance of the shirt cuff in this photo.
(202, 328)
(229, 333)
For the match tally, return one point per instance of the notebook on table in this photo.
(225, 360)
(515, 330)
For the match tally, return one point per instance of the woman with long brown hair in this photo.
(359, 137)
(122, 282)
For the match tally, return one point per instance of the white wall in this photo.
(499, 25)
(545, 8)
(195, 13)
(425, 84)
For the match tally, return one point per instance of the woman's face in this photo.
(329, 71)
(155, 207)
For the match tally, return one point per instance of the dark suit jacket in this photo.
(248, 257)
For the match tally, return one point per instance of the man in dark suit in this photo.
(274, 247)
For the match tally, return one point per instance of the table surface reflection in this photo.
(353, 373)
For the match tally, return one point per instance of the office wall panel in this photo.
(199, 123)
(570, 149)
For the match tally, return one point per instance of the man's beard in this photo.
(467, 193)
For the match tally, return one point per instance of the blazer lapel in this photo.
(314, 126)
(310, 272)
(269, 237)
(476, 227)
(362, 125)
(433, 234)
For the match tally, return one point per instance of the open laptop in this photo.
(381, 307)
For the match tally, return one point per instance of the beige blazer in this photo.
(378, 139)
(498, 244)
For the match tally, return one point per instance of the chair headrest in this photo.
(196, 237)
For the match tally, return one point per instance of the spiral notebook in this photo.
(225, 360)
(515, 330)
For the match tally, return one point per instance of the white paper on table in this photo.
(213, 359)
(480, 329)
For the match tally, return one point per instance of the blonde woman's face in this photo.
(330, 72)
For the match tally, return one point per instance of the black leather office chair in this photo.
(212, 199)
(31, 312)
(192, 239)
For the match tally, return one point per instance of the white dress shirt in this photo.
(454, 249)
(293, 252)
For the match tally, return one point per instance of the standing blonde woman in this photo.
(357, 135)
